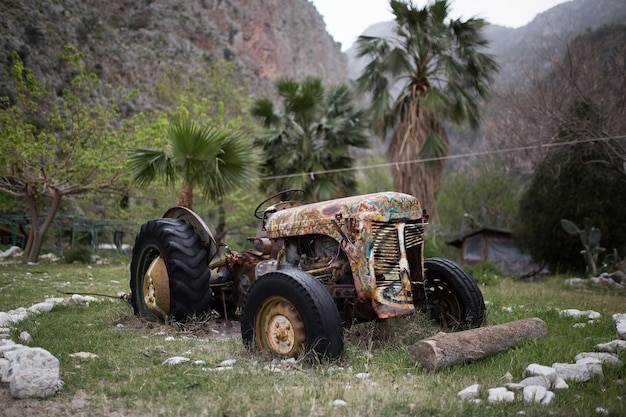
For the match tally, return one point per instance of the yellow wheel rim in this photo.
(279, 328)
(156, 289)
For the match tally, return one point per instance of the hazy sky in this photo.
(347, 19)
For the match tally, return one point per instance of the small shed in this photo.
(493, 245)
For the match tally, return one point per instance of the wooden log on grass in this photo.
(445, 349)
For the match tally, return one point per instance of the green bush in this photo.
(485, 273)
(80, 254)
(570, 184)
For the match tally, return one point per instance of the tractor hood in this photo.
(313, 218)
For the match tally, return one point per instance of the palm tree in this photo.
(311, 136)
(441, 72)
(213, 158)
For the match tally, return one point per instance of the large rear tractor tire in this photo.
(169, 276)
(453, 299)
(290, 314)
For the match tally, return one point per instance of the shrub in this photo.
(80, 254)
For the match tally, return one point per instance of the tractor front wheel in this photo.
(169, 276)
(291, 314)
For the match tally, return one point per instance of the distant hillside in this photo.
(133, 43)
(519, 51)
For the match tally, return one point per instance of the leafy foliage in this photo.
(570, 184)
(57, 145)
(312, 134)
(433, 70)
(214, 158)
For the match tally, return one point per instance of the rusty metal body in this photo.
(367, 250)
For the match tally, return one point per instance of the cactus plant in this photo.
(590, 239)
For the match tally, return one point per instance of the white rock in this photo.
(12, 251)
(602, 410)
(78, 298)
(514, 386)
(612, 346)
(547, 372)
(500, 394)
(536, 380)
(199, 362)
(577, 314)
(604, 357)
(7, 346)
(470, 392)
(41, 308)
(620, 324)
(5, 319)
(25, 337)
(575, 281)
(594, 365)
(339, 403)
(32, 373)
(55, 300)
(534, 393)
(227, 362)
(175, 360)
(363, 375)
(572, 372)
(83, 355)
(548, 398)
(560, 384)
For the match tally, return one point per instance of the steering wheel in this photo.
(258, 212)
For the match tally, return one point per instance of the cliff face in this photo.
(132, 43)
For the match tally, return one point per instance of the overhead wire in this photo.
(448, 157)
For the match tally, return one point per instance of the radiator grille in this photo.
(386, 247)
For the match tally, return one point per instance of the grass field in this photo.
(374, 376)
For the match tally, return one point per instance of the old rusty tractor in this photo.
(315, 269)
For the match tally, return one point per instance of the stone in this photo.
(339, 403)
(41, 308)
(83, 355)
(560, 384)
(500, 394)
(547, 372)
(534, 393)
(604, 357)
(578, 372)
(12, 251)
(470, 392)
(593, 365)
(575, 282)
(620, 324)
(577, 314)
(548, 398)
(537, 381)
(25, 337)
(175, 360)
(612, 346)
(5, 319)
(32, 373)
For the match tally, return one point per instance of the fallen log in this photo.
(445, 349)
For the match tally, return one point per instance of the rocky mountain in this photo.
(521, 51)
(133, 43)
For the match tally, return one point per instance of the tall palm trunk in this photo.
(421, 179)
(186, 196)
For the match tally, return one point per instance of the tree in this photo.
(214, 158)
(310, 137)
(440, 72)
(568, 185)
(582, 98)
(57, 145)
